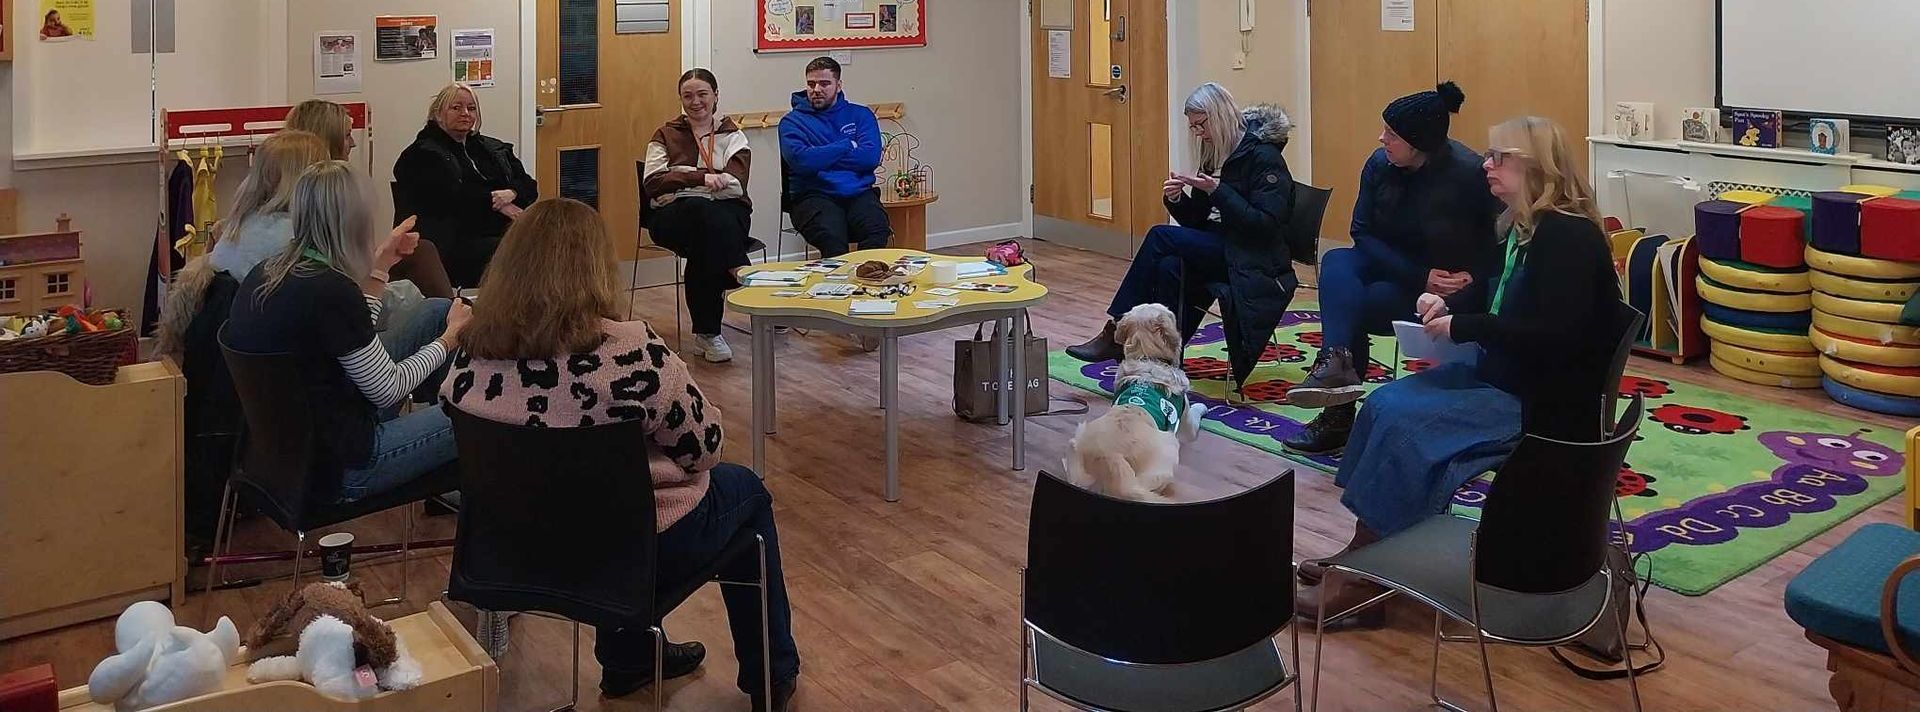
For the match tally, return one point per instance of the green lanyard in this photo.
(1515, 255)
(315, 255)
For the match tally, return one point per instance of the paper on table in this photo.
(871, 307)
(768, 278)
(979, 268)
(1415, 343)
(936, 303)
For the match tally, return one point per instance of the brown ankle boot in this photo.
(1099, 348)
(1340, 595)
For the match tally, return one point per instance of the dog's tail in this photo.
(1112, 474)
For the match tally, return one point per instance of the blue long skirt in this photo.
(1418, 439)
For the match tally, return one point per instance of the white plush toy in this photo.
(333, 652)
(158, 662)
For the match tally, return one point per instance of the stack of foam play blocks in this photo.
(1755, 290)
(1865, 255)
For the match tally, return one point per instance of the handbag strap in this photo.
(1638, 588)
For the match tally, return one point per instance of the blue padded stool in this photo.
(1838, 595)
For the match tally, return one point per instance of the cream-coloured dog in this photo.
(1131, 451)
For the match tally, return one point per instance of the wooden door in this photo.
(1099, 127)
(1517, 58)
(1356, 69)
(599, 97)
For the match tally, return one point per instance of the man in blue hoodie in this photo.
(830, 148)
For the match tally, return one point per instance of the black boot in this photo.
(1327, 434)
(1333, 381)
(782, 696)
(682, 660)
(1100, 348)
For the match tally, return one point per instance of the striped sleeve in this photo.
(383, 381)
(373, 307)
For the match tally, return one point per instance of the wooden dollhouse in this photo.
(41, 271)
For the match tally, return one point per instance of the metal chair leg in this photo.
(222, 531)
(406, 541)
(766, 625)
(299, 554)
(1433, 681)
(1293, 632)
(1486, 663)
(659, 668)
(1626, 652)
(1320, 630)
(1025, 642)
(679, 291)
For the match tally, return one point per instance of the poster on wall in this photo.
(473, 57)
(811, 25)
(406, 37)
(1396, 15)
(336, 62)
(63, 20)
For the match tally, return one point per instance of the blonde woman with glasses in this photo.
(1230, 212)
(318, 299)
(1541, 366)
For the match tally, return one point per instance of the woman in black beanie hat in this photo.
(1422, 222)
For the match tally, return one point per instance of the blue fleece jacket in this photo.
(833, 150)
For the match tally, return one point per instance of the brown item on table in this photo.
(873, 269)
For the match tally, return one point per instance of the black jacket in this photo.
(449, 185)
(1544, 346)
(1255, 204)
(1437, 216)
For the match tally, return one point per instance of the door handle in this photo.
(1120, 29)
(1119, 92)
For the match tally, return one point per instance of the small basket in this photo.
(92, 358)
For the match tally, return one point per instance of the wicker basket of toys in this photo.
(88, 346)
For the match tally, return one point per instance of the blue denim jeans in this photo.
(1154, 276)
(736, 500)
(407, 446)
(1355, 301)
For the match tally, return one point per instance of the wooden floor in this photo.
(913, 605)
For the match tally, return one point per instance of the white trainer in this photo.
(713, 348)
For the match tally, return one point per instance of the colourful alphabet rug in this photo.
(1717, 485)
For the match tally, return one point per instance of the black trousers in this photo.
(834, 225)
(712, 236)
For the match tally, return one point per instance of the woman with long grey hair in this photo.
(319, 299)
(1230, 214)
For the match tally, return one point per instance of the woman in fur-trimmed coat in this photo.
(1232, 216)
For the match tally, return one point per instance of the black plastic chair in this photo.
(1303, 226)
(1133, 606)
(1302, 230)
(679, 266)
(402, 202)
(1626, 325)
(560, 521)
(1533, 571)
(278, 467)
(786, 218)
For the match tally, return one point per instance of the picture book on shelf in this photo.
(1760, 129)
(1700, 125)
(1830, 136)
(1633, 120)
(1903, 144)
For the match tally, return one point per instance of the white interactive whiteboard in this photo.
(1847, 58)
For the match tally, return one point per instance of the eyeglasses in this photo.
(1498, 156)
(1198, 127)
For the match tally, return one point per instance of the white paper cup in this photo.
(945, 272)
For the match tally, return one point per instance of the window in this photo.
(59, 283)
(579, 52)
(9, 289)
(580, 175)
